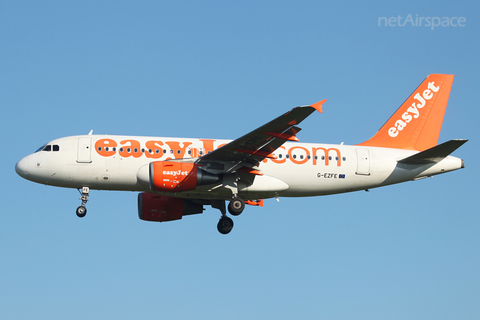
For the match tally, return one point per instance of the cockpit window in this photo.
(40, 149)
(49, 147)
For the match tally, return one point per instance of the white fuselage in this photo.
(106, 162)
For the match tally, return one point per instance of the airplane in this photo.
(179, 176)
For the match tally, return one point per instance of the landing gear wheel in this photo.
(225, 225)
(236, 206)
(81, 211)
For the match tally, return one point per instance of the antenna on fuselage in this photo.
(90, 133)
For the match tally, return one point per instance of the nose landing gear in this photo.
(82, 210)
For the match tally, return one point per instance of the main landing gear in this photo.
(82, 210)
(225, 225)
(235, 207)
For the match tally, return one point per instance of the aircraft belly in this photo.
(311, 180)
(321, 179)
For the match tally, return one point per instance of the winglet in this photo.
(318, 106)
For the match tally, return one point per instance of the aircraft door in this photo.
(84, 150)
(363, 162)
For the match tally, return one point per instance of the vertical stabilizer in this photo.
(416, 124)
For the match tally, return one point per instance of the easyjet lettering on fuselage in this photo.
(413, 112)
(169, 150)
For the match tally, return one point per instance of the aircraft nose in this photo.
(22, 167)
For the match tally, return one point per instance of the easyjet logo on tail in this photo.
(413, 112)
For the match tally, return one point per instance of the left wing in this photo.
(262, 142)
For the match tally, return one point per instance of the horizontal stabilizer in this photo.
(435, 154)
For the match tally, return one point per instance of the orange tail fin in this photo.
(416, 124)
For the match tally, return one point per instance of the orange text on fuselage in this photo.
(157, 149)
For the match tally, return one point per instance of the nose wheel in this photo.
(82, 210)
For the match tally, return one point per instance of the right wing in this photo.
(263, 141)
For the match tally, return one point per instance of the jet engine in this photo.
(170, 176)
(153, 207)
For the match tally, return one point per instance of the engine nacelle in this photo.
(170, 176)
(153, 207)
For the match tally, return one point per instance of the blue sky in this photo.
(218, 69)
